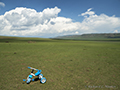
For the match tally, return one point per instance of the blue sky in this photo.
(69, 8)
(81, 15)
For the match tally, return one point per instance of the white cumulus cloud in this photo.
(88, 12)
(28, 22)
(2, 4)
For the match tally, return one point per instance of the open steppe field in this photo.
(66, 64)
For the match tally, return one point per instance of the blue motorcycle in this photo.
(38, 74)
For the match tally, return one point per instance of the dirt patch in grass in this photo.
(31, 41)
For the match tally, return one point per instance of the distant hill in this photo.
(100, 36)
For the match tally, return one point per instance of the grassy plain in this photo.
(66, 64)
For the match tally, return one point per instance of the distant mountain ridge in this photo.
(95, 36)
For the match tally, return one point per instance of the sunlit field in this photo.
(66, 64)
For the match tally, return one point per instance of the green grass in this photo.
(66, 64)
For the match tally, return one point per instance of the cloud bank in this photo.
(28, 22)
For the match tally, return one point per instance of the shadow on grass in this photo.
(35, 79)
(27, 40)
(35, 40)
